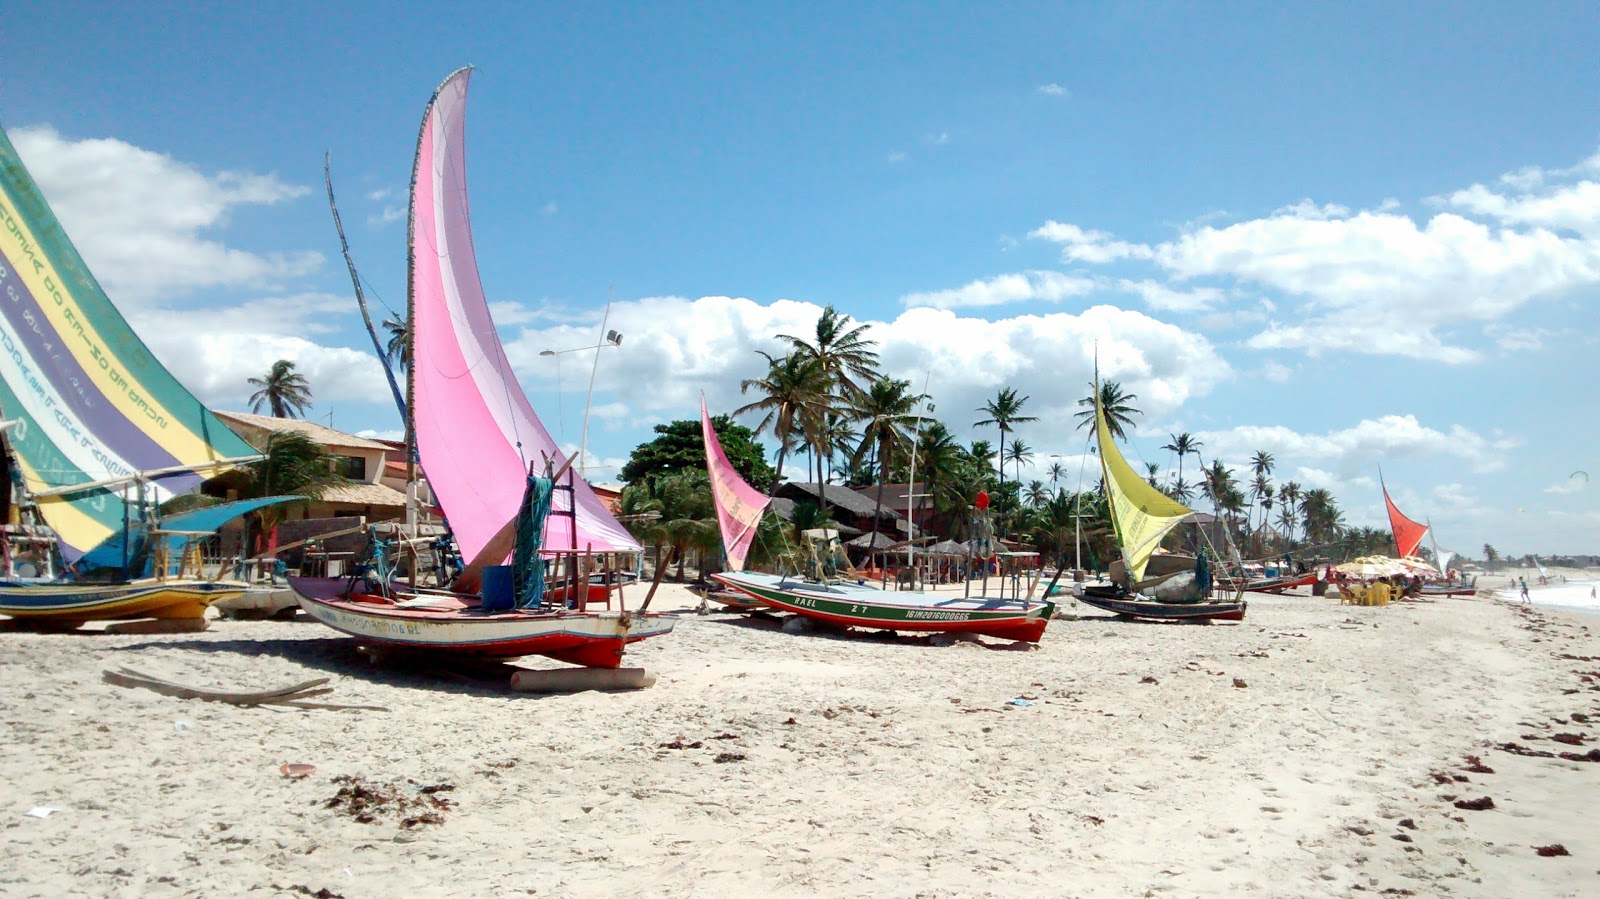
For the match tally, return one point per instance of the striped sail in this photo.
(89, 401)
(1140, 514)
(476, 433)
(739, 505)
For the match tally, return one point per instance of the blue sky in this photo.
(1348, 236)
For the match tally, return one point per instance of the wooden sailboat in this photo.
(478, 439)
(1141, 515)
(97, 434)
(839, 603)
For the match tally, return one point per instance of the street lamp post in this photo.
(612, 338)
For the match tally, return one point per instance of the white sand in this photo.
(904, 774)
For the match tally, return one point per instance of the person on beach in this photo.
(1525, 590)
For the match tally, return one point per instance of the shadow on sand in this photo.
(817, 630)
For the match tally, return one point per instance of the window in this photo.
(352, 467)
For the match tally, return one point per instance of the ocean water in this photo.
(1573, 596)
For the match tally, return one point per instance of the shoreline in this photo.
(1282, 756)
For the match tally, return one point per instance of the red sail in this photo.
(1407, 533)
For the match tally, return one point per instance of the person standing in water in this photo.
(1524, 582)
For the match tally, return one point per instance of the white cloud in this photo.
(676, 347)
(1276, 372)
(387, 434)
(1051, 90)
(389, 214)
(1360, 447)
(1078, 245)
(1376, 281)
(1572, 484)
(379, 195)
(1004, 289)
(139, 217)
(1161, 296)
(897, 156)
(1517, 340)
(509, 312)
(940, 139)
(550, 208)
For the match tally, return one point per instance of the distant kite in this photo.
(1581, 474)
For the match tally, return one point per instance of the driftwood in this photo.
(293, 696)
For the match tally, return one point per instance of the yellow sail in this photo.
(1140, 513)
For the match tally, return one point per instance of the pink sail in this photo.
(476, 434)
(739, 505)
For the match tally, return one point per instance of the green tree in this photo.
(1118, 407)
(842, 352)
(1152, 470)
(283, 390)
(397, 349)
(679, 447)
(886, 423)
(295, 465)
(1184, 444)
(1004, 412)
(793, 385)
(1019, 454)
(1490, 556)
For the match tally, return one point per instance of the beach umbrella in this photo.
(949, 548)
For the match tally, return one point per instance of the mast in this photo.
(361, 297)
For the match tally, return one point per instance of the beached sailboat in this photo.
(1141, 516)
(478, 440)
(97, 434)
(1408, 536)
(739, 508)
(843, 604)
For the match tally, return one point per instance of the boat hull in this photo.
(1277, 584)
(867, 607)
(1150, 610)
(1448, 591)
(591, 639)
(167, 599)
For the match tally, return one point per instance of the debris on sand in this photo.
(1551, 850)
(1475, 805)
(367, 802)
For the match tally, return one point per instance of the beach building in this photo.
(850, 509)
(370, 488)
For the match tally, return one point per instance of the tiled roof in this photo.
(318, 433)
(358, 493)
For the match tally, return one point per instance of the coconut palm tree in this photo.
(284, 391)
(1181, 490)
(1056, 472)
(396, 350)
(1004, 411)
(1020, 454)
(1036, 494)
(1490, 556)
(1151, 470)
(886, 420)
(1117, 405)
(1288, 507)
(792, 387)
(1184, 444)
(843, 353)
(294, 465)
(1321, 517)
(939, 460)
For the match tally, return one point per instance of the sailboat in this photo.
(1140, 516)
(839, 603)
(1408, 536)
(505, 488)
(739, 508)
(97, 434)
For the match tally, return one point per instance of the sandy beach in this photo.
(1313, 750)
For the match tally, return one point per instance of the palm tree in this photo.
(396, 350)
(283, 390)
(1036, 494)
(1490, 556)
(842, 352)
(1288, 505)
(1184, 445)
(1117, 405)
(1181, 490)
(1261, 489)
(1215, 483)
(1151, 470)
(792, 386)
(1320, 515)
(1019, 453)
(1261, 466)
(885, 428)
(939, 460)
(1056, 472)
(294, 465)
(1004, 411)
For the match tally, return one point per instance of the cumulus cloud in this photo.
(1377, 281)
(676, 347)
(1051, 90)
(141, 219)
(1360, 447)
(1004, 289)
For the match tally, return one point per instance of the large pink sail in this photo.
(739, 505)
(476, 433)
